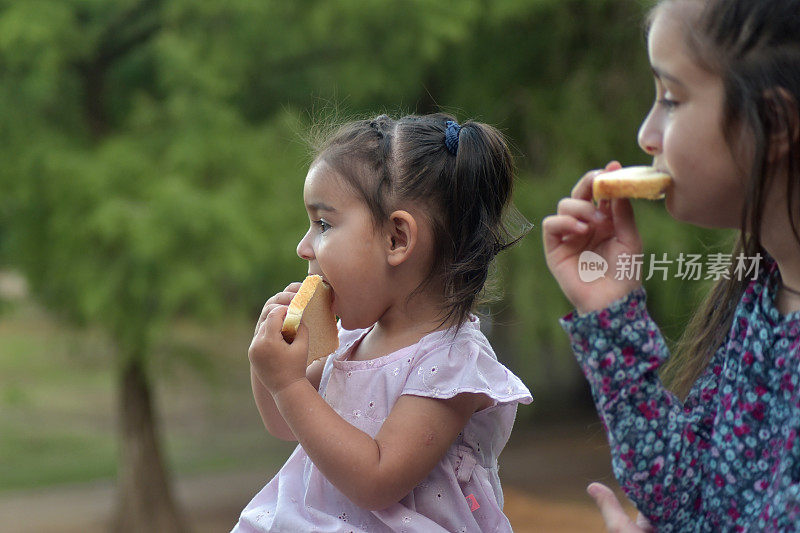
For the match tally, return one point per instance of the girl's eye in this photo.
(668, 103)
(323, 226)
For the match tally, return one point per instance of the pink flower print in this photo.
(627, 458)
(761, 390)
(748, 358)
(648, 409)
(733, 513)
(603, 320)
(607, 361)
(656, 468)
(707, 394)
(741, 430)
(719, 480)
(786, 383)
(727, 402)
(628, 355)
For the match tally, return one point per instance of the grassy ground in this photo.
(58, 402)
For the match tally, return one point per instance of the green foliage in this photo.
(153, 153)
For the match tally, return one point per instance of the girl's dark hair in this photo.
(754, 46)
(392, 163)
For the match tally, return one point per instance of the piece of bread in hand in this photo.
(312, 306)
(631, 182)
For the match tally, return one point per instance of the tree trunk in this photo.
(146, 503)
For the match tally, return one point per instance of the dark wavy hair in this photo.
(392, 162)
(754, 46)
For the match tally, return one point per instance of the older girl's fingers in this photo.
(614, 516)
(580, 209)
(556, 228)
(583, 189)
(624, 222)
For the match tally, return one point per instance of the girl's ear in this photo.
(401, 238)
(785, 128)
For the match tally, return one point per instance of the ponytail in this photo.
(464, 174)
(481, 186)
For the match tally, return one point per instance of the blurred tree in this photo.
(153, 158)
(149, 148)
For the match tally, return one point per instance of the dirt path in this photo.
(544, 476)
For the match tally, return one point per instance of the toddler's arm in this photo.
(273, 421)
(373, 472)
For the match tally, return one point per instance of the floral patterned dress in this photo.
(726, 459)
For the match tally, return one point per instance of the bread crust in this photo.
(631, 182)
(312, 306)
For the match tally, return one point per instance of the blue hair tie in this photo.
(451, 136)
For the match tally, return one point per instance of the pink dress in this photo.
(461, 494)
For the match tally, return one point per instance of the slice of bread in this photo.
(312, 306)
(631, 182)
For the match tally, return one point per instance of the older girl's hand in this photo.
(615, 517)
(276, 363)
(607, 231)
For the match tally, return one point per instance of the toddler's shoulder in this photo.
(448, 363)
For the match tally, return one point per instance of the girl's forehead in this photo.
(670, 42)
(323, 183)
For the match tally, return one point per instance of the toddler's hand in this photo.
(607, 230)
(277, 363)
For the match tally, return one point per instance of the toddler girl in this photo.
(400, 428)
(725, 125)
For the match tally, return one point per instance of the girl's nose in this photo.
(650, 134)
(304, 249)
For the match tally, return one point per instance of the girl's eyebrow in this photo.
(320, 206)
(661, 75)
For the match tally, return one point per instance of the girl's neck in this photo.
(399, 327)
(787, 256)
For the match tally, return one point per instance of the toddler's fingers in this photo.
(556, 227)
(282, 298)
(613, 165)
(293, 287)
(271, 327)
(300, 341)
